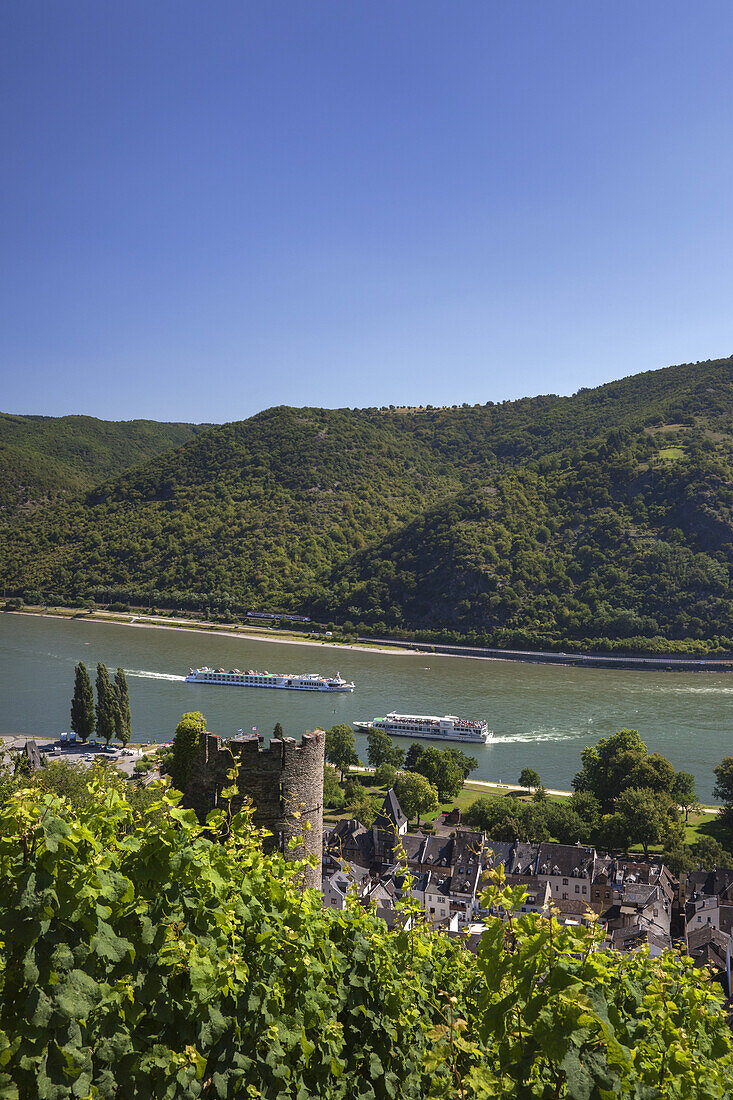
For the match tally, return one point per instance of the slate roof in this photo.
(713, 882)
(499, 852)
(568, 860)
(391, 816)
(699, 937)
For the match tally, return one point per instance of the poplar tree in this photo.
(106, 705)
(82, 704)
(123, 718)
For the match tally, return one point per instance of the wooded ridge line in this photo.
(601, 522)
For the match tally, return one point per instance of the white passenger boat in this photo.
(431, 727)
(287, 680)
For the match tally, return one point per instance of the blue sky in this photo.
(208, 208)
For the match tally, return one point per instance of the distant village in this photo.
(637, 903)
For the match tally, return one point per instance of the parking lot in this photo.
(77, 752)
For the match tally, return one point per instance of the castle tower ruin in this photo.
(281, 780)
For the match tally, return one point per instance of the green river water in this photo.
(542, 715)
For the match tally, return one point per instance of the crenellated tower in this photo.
(282, 780)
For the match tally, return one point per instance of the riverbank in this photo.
(656, 663)
(247, 633)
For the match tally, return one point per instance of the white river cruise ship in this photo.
(447, 728)
(308, 681)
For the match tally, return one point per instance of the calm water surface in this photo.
(542, 715)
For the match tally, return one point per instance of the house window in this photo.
(584, 889)
(565, 896)
(564, 882)
(577, 889)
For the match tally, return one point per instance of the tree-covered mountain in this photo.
(617, 542)
(41, 456)
(606, 515)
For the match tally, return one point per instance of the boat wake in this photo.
(690, 690)
(537, 735)
(144, 674)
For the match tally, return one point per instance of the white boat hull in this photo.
(464, 738)
(283, 687)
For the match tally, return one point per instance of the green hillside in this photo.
(41, 456)
(614, 543)
(605, 515)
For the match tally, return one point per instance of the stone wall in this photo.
(281, 780)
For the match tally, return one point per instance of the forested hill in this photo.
(602, 517)
(44, 455)
(626, 545)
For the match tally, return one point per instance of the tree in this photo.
(609, 766)
(385, 775)
(382, 750)
(340, 748)
(412, 756)
(708, 853)
(441, 770)
(123, 718)
(106, 708)
(416, 795)
(642, 814)
(529, 778)
(186, 746)
(510, 819)
(588, 809)
(653, 772)
(333, 796)
(565, 825)
(278, 731)
(683, 792)
(467, 764)
(723, 789)
(678, 858)
(83, 720)
(364, 808)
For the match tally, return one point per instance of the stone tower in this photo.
(283, 779)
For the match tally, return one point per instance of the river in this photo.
(542, 715)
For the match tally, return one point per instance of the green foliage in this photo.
(364, 807)
(708, 852)
(41, 455)
(640, 818)
(510, 818)
(723, 789)
(620, 762)
(340, 748)
(83, 721)
(528, 778)
(441, 769)
(333, 796)
(142, 958)
(490, 524)
(381, 749)
(416, 795)
(123, 718)
(385, 775)
(683, 792)
(445, 768)
(106, 707)
(278, 731)
(186, 746)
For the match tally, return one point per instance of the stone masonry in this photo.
(281, 780)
